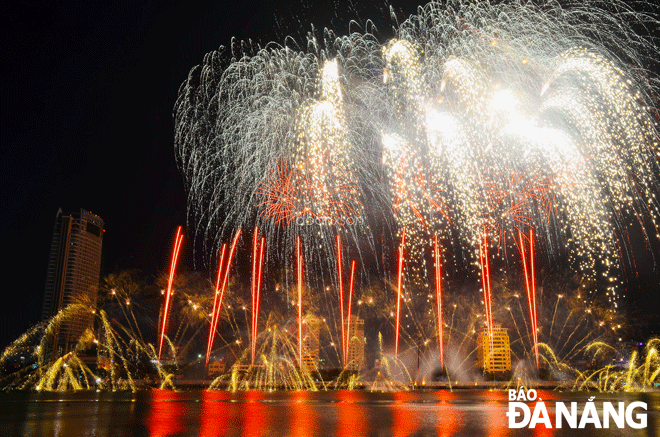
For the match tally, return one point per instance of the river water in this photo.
(333, 413)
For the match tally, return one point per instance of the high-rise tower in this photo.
(311, 335)
(356, 343)
(73, 274)
(494, 352)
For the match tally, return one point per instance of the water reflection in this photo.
(167, 413)
(216, 415)
(303, 417)
(255, 415)
(448, 417)
(404, 420)
(352, 417)
(296, 414)
(496, 423)
(540, 430)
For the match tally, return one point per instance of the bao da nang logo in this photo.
(572, 414)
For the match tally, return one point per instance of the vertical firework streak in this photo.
(438, 298)
(533, 295)
(299, 263)
(257, 264)
(485, 283)
(253, 334)
(340, 281)
(258, 300)
(399, 284)
(530, 286)
(216, 316)
(168, 294)
(216, 296)
(348, 312)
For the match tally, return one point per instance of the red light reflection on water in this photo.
(352, 418)
(303, 418)
(449, 417)
(215, 418)
(404, 420)
(547, 395)
(167, 413)
(540, 430)
(496, 424)
(255, 415)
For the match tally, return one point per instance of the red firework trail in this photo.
(216, 316)
(438, 297)
(256, 320)
(299, 262)
(530, 285)
(398, 294)
(340, 280)
(256, 285)
(348, 310)
(531, 257)
(255, 241)
(175, 256)
(485, 281)
(215, 301)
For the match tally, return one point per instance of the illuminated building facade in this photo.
(311, 333)
(73, 274)
(216, 368)
(494, 356)
(356, 343)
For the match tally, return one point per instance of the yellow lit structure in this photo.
(494, 354)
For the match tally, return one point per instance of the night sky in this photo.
(87, 95)
(86, 110)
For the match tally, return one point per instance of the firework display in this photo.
(458, 201)
(508, 134)
(168, 292)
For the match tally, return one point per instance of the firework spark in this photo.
(478, 121)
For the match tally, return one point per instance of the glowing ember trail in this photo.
(485, 281)
(348, 312)
(398, 294)
(533, 300)
(255, 241)
(216, 316)
(438, 297)
(168, 294)
(256, 319)
(257, 262)
(340, 280)
(215, 302)
(530, 285)
(299, 262)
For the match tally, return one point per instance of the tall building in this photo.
(311, 343)
(73, 274)
(494, 354)
(356, 343)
